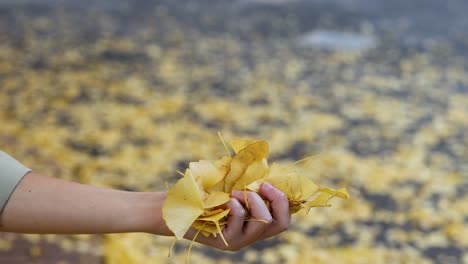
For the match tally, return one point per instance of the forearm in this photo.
(43, 204)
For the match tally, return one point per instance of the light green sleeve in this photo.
(11, 173)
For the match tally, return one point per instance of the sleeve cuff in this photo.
(11, 173)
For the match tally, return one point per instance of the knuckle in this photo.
(283, 196)
(242, 213)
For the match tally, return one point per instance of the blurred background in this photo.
(124, 93)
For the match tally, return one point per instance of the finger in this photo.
(258, 210)
(235, 219)
(280, 209)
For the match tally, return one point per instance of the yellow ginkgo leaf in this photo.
(320, 201)
(211, 212)
(224, 166)
(239, 144)
(295, 207)
(216, 219)
(342, 192)
(255, 186)
(276, 177)
(216, 199)
(205, 173)
(254, 172)
(206, 228)
(298, 189)
(301, 188)
(183, 205)
(253, 152)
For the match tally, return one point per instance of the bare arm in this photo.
(42, 204)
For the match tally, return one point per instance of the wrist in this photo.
(150, 218)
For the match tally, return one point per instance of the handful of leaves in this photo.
(196, 198)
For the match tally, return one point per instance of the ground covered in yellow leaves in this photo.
(124, 95)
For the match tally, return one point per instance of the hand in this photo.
(239, 233)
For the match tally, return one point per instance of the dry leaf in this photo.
(239, 144)
(255, 171)
(183, 205)
(206, 174)
(256, 151)
(216, 219)
(216, 199)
